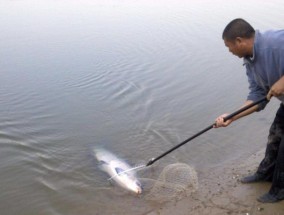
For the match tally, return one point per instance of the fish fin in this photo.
(119, 170)
(101, 163)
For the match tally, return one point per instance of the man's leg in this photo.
(266, 168)
(276, 192)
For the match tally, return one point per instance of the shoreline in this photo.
(221, 192)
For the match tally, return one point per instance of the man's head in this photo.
(238, 36)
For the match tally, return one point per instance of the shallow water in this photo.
(133, 77)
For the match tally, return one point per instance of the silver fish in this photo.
(117, 170)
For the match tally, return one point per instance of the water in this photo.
(132, 76)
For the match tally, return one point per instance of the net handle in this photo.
(153, 160)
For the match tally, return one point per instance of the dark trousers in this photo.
(272, 166)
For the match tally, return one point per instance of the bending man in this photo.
(263, 55)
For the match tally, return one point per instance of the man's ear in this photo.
(238, 40)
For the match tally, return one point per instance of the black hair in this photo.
(238, 28)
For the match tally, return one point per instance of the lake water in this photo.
(134, 77)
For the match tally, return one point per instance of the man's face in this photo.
(235, 47)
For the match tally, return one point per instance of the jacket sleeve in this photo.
(255, 91)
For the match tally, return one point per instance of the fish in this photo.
(117, 170)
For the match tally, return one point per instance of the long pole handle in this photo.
(230, 116)
(153, 160)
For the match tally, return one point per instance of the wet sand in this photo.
(221, 192)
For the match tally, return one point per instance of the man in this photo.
(263, 55)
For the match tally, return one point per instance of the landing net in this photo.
(176, 181)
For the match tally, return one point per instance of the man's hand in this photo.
(277, 89)
(219, 122)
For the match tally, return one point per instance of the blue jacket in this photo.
(267, 64)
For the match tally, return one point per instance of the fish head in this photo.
(129, 181)
(116, 169)
(135, 186)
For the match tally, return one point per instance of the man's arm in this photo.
(277, 88)
(219, 122)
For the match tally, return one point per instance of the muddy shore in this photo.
(221, 192)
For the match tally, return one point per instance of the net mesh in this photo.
(175, 182)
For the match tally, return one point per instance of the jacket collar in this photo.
(251, 60)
